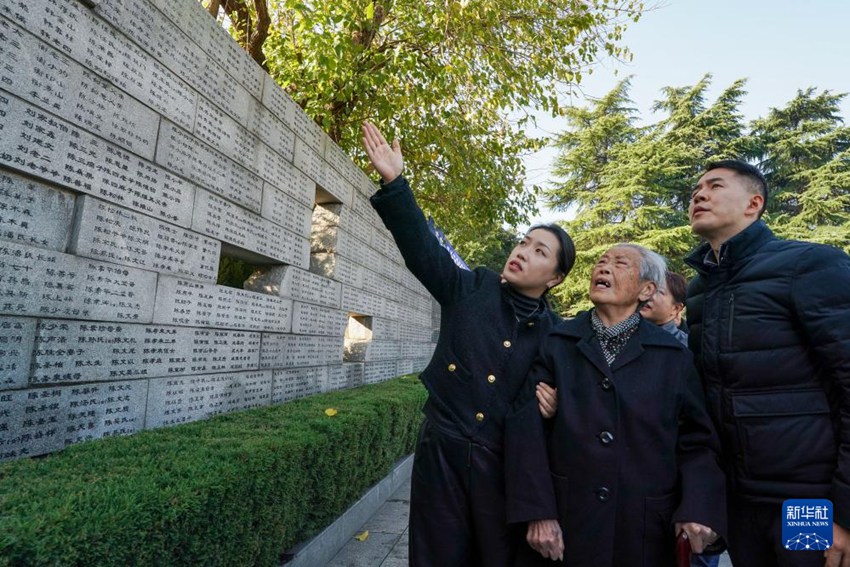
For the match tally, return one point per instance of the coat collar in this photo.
(647, 334)
(740, 246)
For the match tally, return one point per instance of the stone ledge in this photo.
(322, 548)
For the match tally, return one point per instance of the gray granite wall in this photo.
(139, 143)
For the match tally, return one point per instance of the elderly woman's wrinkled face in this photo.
(615, 279)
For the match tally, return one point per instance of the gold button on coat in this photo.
(531, 323)
(491, 378)
(507, 344)
(452, 367)
(479, 416)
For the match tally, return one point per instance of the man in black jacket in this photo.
(770, 330)
(490, 328)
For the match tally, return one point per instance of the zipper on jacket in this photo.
(731, 319)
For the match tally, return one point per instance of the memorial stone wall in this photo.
(138, 146)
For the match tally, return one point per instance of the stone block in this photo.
(416, 350)
(284, 210)
(385, 329)
(108, 232)
(375, 372)
(186, 155)
(195, 23)
(295, 283)
(337, 267)
(76, 32)
(405, 366)
(274, 133)
(297, 383)
(168, 43)
(309, 132)
(194, 304)
(327, 215)
(49, 148)
(307, 159)
(363, 302)
(358, 226)
(176, 400)
(42, 283)
(368, 351)
(225, 221)
(72, 92)
(34, 214)
(290, 351)
(279, 103)
(335, 240)
(381, 285)
(221, 132)
(354, 372)
(43, 420)
(410, 332)
(281, 174)
(335, 185)
(337, 378)
(77, 351)
(17, 340)
(308, 319)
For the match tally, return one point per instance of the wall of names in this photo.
(138, 144)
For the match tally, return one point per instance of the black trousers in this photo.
(755, 538)
(457, 504)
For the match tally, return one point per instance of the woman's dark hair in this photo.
(677, 287)
(567, 250)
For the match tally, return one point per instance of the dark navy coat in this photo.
(483, 352)
(630, 451)
(770, 329)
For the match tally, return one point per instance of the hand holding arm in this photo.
(699, 536)
(547, 399)
(386, 160)
(545, 537)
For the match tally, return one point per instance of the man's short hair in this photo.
(753, 177)
(677, 287)
(653, 266)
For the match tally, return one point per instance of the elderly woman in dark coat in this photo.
(491, 325)
(630, 457)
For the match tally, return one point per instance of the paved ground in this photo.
(386, 545)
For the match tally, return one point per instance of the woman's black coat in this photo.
(630, 451)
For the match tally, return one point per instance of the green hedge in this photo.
(237, 489)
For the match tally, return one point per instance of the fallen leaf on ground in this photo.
(362, 536)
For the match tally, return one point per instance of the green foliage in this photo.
(631, 183)
(237, 489)
(443, 78)
(233, 272)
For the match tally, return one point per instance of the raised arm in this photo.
(423, 255)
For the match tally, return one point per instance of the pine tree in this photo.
(804, 150)
(638, 190)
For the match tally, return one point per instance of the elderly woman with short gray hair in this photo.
(629, 459)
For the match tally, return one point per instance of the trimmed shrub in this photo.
(237, 489)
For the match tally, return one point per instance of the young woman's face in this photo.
(532, 266)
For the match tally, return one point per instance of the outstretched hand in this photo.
(386, 160)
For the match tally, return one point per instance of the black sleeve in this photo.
(530, 494)
(423, 255)
(821, 291)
